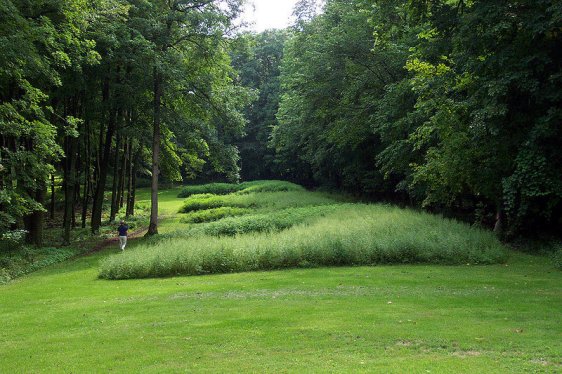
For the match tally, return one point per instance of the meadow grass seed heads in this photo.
(319, 230)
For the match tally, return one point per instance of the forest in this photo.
(451, 106)
(375, 188)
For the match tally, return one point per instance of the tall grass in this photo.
(245, 187)
(357, 235)
(272, 200)
(210, 215)
(269, 186)
(261, 222)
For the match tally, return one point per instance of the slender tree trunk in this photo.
(65, 179)
(132, 184)
(122, 175)
(104, 163)
(115, 185)
(87, 181)
(69, 188)
(38, 217)
(99, 154)
(52, 210)
(129, 183)
(153, 227)
(76, 201)
(498, 226)
(85, 198)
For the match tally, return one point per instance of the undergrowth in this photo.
(29, 259)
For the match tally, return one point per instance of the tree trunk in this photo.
(104, 163)
(498, 226)
(76, 201)
(153, 227)
(114, 187)
(86, 197)
(69, 188)
(123, 174)
(87, 176)
(37, 219)
(132, 184)
(52, 210)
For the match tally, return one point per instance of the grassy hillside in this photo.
(500, 318)
(392, 319)
(295, 228)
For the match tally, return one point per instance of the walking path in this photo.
(107, 242)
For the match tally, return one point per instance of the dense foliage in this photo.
(94, 94)
(453, 105)
(257, 58)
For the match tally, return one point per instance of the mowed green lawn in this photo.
(405, 319)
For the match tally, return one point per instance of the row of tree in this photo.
(453, 105)
(95, 93)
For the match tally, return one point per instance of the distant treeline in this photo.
(452, 105)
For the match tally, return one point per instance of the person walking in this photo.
(122, 235)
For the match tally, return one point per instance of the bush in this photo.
(12, 240)
(210, 215)
(557, 259)
(357, 235)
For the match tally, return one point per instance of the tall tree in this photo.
(176, 29)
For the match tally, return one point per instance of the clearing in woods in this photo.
(417, 318)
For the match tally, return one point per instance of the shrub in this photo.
(12, 240)
(210, 215)
(557, 259)
(357, 235)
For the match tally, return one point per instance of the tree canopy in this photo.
(96, 93)
(450, 105)
(454, 106)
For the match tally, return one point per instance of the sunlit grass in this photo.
(245, 187)
(215, 214)
(270, 200)
(261, 222)
(501, 318)
(357, 235)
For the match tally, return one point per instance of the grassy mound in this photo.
(263, 222)
(269, 186)
(211, 188)
(246, 187)
(210, 215)
(271, 200)
(356, 235)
